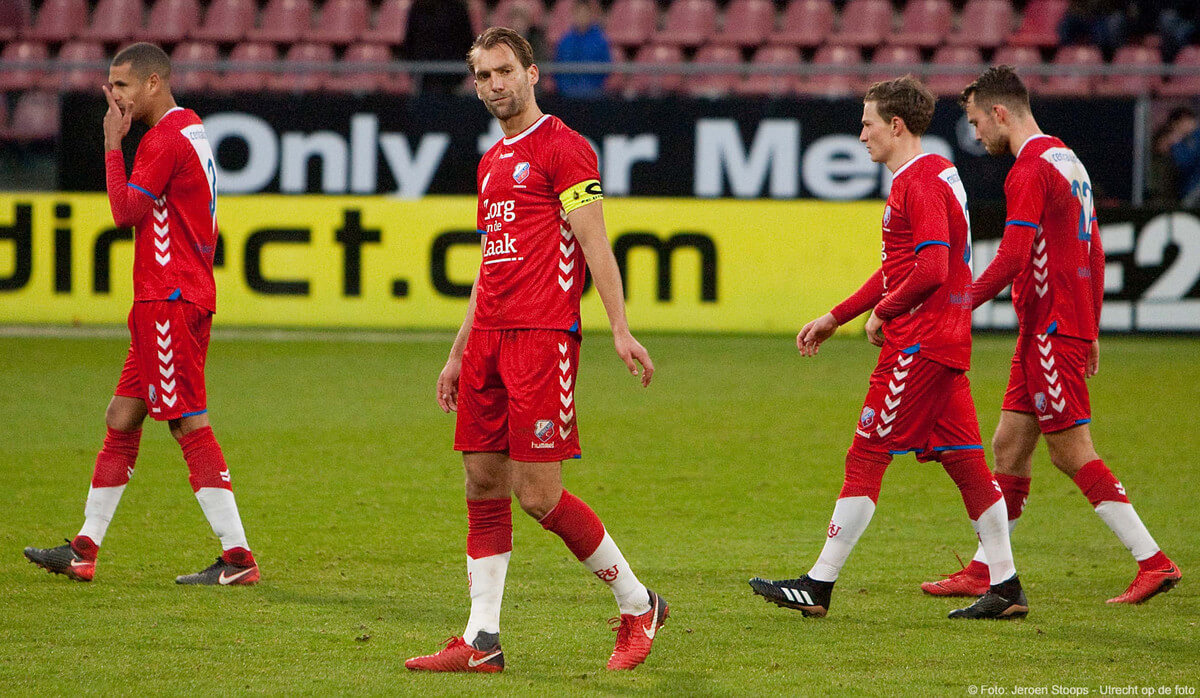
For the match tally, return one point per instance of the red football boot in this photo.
(458, 655)
(635, 634)
(1147, 583)
(972, 580)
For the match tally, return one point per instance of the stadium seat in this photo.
(631, 23)
(248, 79)
(615, 82)
(864, 23)
(391, 23)
(227, 21)
(59, 21)
(1184, 85)
(502, 15)
(772, 84)
(115, 21)
(477, 11)
(382, 78)
(893, 61)
(342, 22)
(171, 21)
(558, 20)
(948, 81)
(1068, 84)
(34, 117)
(309, 78)
(805, 23)
(188, 79)
(714, 84)
(655, 83)
(747, 23)
(1143, 84)
(1021, 57)
(19, 78)
(688, 23)
(81, 79)
(14, 18)
(283, 21)
(924, 23)
(983, 23)
(834, 84)
(1039, 24)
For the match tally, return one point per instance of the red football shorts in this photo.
(1047, 380)
(914, 404)
(165, 365)
(516, 395)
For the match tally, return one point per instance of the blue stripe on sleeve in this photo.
(927, 243)
(144, 191)
(1024, 223)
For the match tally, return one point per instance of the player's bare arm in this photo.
(587, 222)
(447, 382)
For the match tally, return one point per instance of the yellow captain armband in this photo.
(581, 195)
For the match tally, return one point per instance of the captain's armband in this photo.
(581, 195)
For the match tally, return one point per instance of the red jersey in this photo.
(533, 269)
(174, 241)
(928, 206)
(1057, 291)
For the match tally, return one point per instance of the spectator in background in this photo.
(585, 42)
(1175, 22)
(1104, 23)
(520, 21)
(1162, 182)
(1183, 139)
(438, 30)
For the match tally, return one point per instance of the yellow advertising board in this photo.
(332, 261)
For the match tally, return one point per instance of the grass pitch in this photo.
(725, 468)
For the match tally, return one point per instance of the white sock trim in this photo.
(485, 579)
(610, 567)
(1123, 520)
(992, 529)
(98, 511)
(220, 508)
(851, 515)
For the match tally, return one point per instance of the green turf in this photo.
(727, 467)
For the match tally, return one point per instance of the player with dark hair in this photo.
(919, 399)
(171, 202)
(511, 371)
(1051, 254)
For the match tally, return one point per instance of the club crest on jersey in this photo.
(153, 394)
(521, 172)
(867, 418)
(1039, 401)
(887, 214)
(543, 429)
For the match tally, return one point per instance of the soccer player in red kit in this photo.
(511, 371)
(171, 201)
(919, 399)
(1052, 256)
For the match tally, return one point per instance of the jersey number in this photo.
(1082, 190)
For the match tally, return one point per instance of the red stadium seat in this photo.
(187, 79)
(310, 78)
(924, 23)
(1021, 57)
(59, 21)
(1184, 85)
(171, 21)
(283, 21)
(115, 21)
(1145, 84)
(391, 23)
(864, 23)
(748, 22)
(948, 81)
(248, 79)
(82, 79)
(502, 15)
(35, 117)
(893, 61)
(805, 23)
(772, 84)
(22, 78)
(655, 83)
(558, 20)
(631, 23)
(342, 22)
(1039, 24)
(714, 84)
(689, 23)
(227, 21)
(381, 78)
(983, 23)
(1073, 85)
(477, 11)
(14, 18)
(834, 84)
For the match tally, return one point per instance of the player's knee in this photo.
(116, 416)
(536, 501)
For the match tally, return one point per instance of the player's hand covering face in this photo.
(504, 85)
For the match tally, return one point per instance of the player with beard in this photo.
(1052, 256)
(511, 371)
